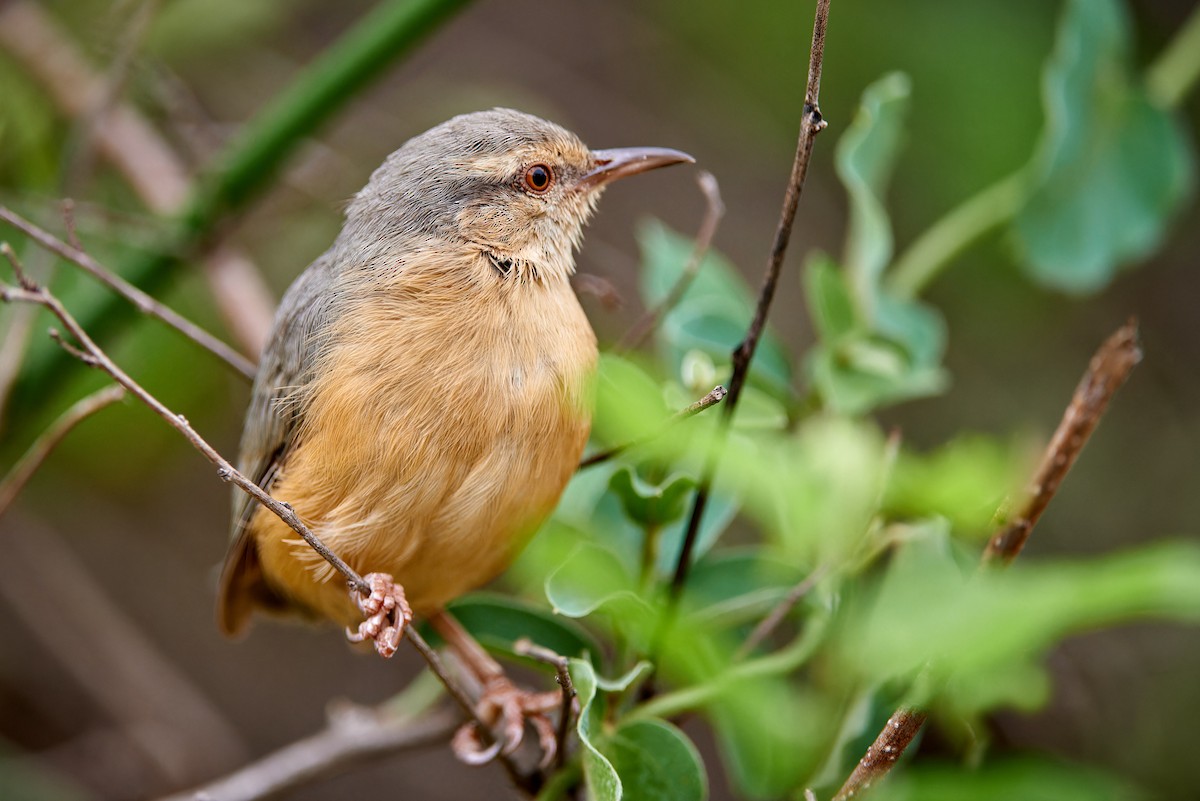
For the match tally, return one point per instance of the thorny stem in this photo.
(713, 212)
(143, 302)
(715, 396)
(28, 464)
(92, 355)
(811, 124)
(1106, 372)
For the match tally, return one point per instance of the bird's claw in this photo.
(505, 707)
(387, 614)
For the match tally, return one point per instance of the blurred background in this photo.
(108, 573)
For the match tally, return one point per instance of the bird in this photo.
(422, 401)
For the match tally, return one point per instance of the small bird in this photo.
(421, 403)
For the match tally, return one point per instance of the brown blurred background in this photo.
(146, 518)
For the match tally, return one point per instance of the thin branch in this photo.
(811, 124)
(776, 616)
(562, 670)
(1107, 371)
(27, 465)
(144, 303)
(715, 396)
(93, 356)
(882, 754)
(125, 138)
(713, 212)
(352, 737)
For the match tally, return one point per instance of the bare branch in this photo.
(811, 124)
(713, 212)
(882, 754)
(353, 737)
(126, 139)
(715, 396)
(562, 671)
(1107, 371)
(776, 616)
(92, 355)
(28, 464)
(144, 303)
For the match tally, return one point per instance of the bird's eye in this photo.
(538, 178)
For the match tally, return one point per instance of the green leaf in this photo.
(593, 578)
(1111, 169)
(655, 762)
(720, 511)
(737, 585)
(865, 157)
(1026, 779)
(498, 621)
(964, 481)
(603, 783)
(931, 611)
(651, 504)
(713, 313)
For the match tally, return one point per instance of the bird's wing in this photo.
(272, 421)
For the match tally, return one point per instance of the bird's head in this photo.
(514, 187)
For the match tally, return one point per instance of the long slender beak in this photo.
(620, 162)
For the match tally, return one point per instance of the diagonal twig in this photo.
(27, 465)
(92, 355)
(713, 212)
(144, 303)
(811, 124)
(1107, 371)
(351, 738)
(715, 396)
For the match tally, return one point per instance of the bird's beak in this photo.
(622, 161)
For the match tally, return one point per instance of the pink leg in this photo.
(387, 614)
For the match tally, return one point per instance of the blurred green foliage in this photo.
(810, 486)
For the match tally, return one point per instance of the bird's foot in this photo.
(386, 611)
(506, 708)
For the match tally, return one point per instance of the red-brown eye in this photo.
(538, 178)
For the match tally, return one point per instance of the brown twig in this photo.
(883, 753)
(715, 396)
(92, 355)
(135, 149)
(562, 671)
(811, 124)
(144, 303)
(780, 611)
(28, 464)
(713, 212)
(1106, 372)
(351, 739)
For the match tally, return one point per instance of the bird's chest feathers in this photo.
(430, 371)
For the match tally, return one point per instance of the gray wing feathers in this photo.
(287, 366)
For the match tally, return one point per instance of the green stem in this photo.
(391, 30)
(954, 233)
(1177, 67)
(781, 662)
